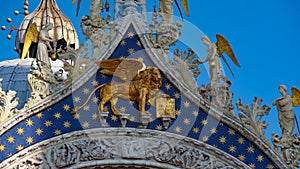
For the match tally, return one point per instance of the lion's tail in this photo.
(87, 100)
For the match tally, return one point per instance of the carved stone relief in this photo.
(149, 149)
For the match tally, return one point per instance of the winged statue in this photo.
(134, 82)
(216, 50)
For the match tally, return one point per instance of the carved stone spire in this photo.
(48, 12)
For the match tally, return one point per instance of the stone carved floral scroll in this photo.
(251, 116)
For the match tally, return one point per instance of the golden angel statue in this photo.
(138, 83)
(214, 52)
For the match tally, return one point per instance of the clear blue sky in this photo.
(263, 33)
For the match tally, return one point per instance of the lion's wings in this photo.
(125, 69)
(295, 96)
(32, 35)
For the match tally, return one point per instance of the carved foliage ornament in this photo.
(8, 103)
(251, 116)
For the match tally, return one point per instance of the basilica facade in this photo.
(119, 100)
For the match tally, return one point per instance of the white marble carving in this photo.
(9, 103)
(251, 116)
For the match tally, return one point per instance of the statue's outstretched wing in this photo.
(32, 35)
(185, 6)
(224, 46)
(295, 96)
(125, 69)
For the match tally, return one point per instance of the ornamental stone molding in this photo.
(121, 148)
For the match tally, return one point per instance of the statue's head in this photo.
(282, 89)
(205, 40)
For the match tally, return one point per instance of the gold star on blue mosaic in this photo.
(85, 124)
(130, 35)
(222, 139)
(2, 147)
(205, 138)
(29, 122)
(176, 95)
(77, 99)
(158, 127)
(20, 131)
(86, 91)
(251, 165)
(196, 130)
(29, 140)
(242, 157)
(39, 115)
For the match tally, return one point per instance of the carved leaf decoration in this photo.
(224, 46)
(125, 69)
(295, 96)
(32, 35)
(245, 119)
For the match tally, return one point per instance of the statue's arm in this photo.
(211, 52)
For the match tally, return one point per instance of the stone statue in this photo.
(41, 79)
(214, 52)
(117, 8)
(95, 8)
(215, 68)
(166, 11)
(286, 114)
(42, 55)
(288, 143)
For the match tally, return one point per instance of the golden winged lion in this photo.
(137, 83)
